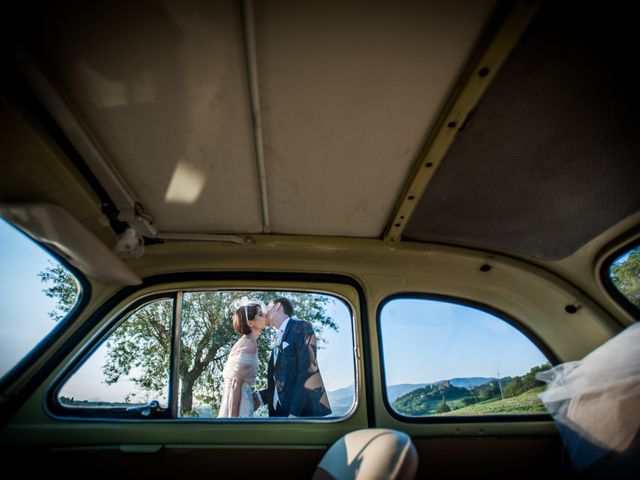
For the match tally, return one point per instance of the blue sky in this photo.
(23, 306)
(426, 341)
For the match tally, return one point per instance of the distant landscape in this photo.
(526, 403)
(471, 396)
(341, 400)
(97, 403)
(395, 391)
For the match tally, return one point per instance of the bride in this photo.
(240, 370)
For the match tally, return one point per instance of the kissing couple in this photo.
(294, 384)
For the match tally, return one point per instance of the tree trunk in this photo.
(186, 396)
(189, 379)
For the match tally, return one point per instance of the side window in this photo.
(37, 293)
(443, 359)
(624, 273)
(130, 368)
(313, 368)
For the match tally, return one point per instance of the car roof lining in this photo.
(549, 157)
(345, 108)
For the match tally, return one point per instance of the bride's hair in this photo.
(239, 318)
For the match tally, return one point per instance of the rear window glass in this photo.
(624, 274)
(37, 293)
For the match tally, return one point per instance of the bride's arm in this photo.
(235, 396)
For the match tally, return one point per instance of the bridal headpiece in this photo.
(245, 302)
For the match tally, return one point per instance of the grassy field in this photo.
(526, 403)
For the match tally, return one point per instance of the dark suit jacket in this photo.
(296, 375)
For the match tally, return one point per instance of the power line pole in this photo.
(500, 385)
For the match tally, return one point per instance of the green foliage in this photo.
(529, 380)
(61, 286)
(443, 407)
(487, 391)
(426, 400)
(141, 346)
(625, 275)
(466, 401)
(513, 388)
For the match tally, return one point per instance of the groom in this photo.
(295, 387)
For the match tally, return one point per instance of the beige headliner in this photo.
(161, 93)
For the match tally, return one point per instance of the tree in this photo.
(466, 401)
(443, 407)
(62, 287)
(488, 390)
(625, 275)
(529, 380)
(141, 345)
(513, 388)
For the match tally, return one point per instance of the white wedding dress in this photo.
(239, 375)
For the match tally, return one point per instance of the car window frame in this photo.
(56, 410)
(461, 419)
(616, 295)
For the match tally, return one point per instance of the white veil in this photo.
(596, 401)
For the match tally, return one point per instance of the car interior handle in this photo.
(147, 409)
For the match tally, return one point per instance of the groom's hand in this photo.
(256, 402)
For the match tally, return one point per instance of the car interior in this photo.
(395, 168)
